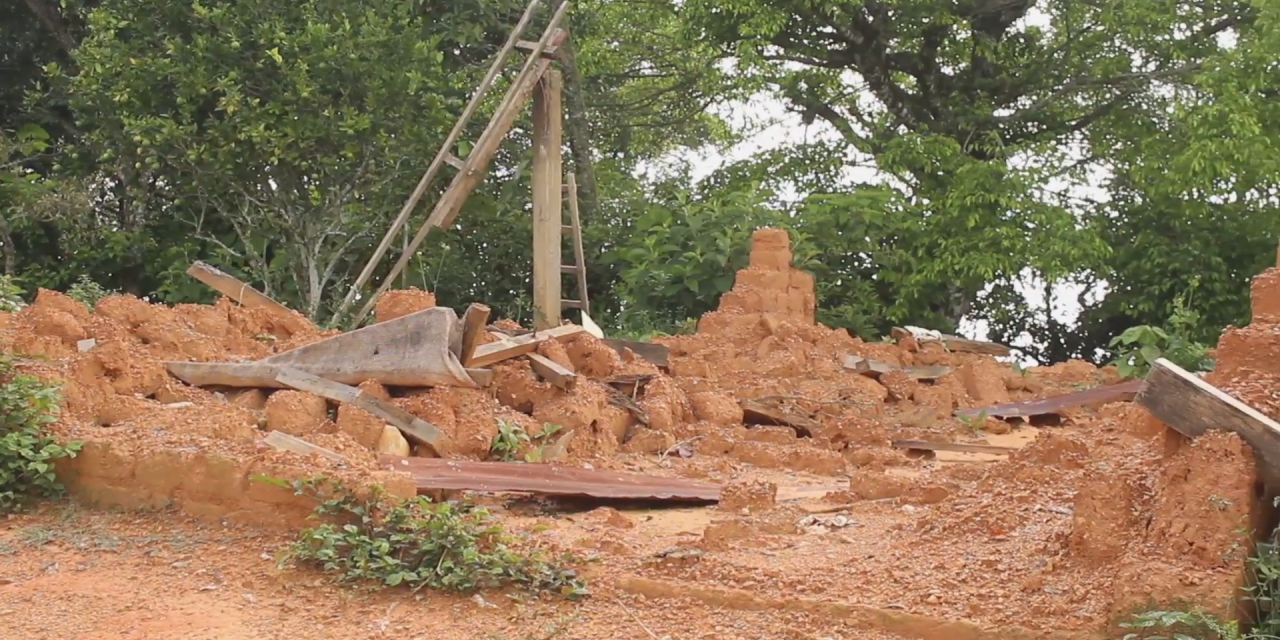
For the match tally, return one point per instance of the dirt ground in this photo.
(837, 534)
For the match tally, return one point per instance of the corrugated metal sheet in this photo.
(550, 479)
(1051, 405)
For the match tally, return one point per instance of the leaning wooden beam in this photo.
(1191, 406)
(233, 288)
(553, 372)
(473, 172)
(411, 426)
(242, 375)
(441, 156)
(517, 346)
(590, 325)
(474, 322)
(285, 442)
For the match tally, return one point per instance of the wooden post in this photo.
(547, 218)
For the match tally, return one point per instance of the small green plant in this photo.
(1139, 347)
(27, 453)
(1184, 625)
(974, 422)
(10, 295)
(87, 292)
(417, 543)
(511, 438)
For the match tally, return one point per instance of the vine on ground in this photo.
(419, 543)
(27, 453)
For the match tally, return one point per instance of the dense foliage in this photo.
(941, 159)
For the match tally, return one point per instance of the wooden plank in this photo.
(548, 140)
(474, 321)
(487, 354)
(285, 442)
(242, 375)
(658, 354)
(924, 445)
(876, 368)
(468, 179)
(450, 140)
(579, 254)
(553, 372)
(757, 412)
(233, 288)
(411, 426)
(1054, 405)
(956, 343)
(482, 377)
(1191, 406)
(590, 326)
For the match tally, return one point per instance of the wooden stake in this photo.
(547, 216)
(413, 427)
(474, 322)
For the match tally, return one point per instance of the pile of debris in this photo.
(1042, 487)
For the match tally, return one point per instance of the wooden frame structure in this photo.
(545, 85)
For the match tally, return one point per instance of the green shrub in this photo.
(1139, 347)
(27, 453)
(419, 543)
(10, 295)
(87, 292)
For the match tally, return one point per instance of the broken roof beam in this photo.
(413, 427)
(235, 289)
(285, 442)
(514, 347)
(1191, 406)
(474, 321)
(952, 343)
(875, 368)
(760, 412)
(553, 372)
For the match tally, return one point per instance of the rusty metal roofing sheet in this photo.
(550, 479)
(1053, 404)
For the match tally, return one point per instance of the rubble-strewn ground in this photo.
(834, 536)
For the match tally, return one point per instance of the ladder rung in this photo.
(564, 187)
(568, 268)
(529, 45)
(454, 161)
(571, 304)
(566, 228)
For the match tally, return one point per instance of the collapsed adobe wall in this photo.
(769, 285)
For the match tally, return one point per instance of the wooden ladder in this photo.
(574, 229)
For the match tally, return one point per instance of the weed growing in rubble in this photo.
(512, 437)
(27, 453)
(88, 292)
(418, 543)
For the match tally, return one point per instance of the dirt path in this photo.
(74, 574)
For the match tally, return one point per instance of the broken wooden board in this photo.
(233, 288)
(658, 354)
(757, 412)
(413, 427)
(553, 372)
(876, 368)
(956, 343)
(1053, 405)
(433, 474)
(1191, 406)
(591, 327)
(409, 351)
(513, 347)
(959, 447)
(285, 442)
